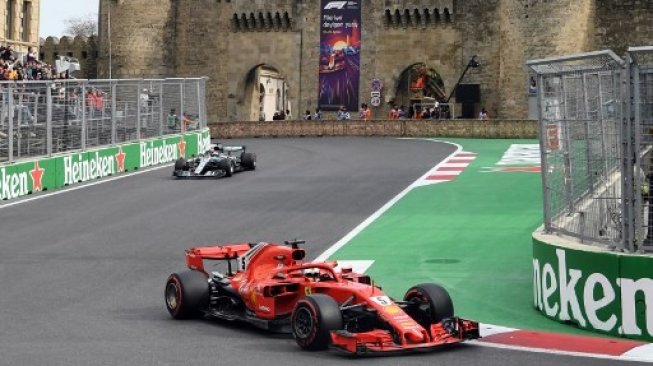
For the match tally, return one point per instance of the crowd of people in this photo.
(365, 113)
(16, 68)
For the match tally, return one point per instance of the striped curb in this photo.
(449, 170)
(564, 344)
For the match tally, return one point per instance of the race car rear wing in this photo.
(195, 256)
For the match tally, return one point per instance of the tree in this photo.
(81, 26)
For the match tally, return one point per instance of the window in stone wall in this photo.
(41, 56)
(9, 20)
(27, 21)
(70, 54)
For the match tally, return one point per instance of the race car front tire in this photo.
(186, 294)
(180, 164)
(228, 167)
(248, 161)
(313, 319)
(428, 303)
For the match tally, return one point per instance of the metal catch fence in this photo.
(41, 118)
(596, 134)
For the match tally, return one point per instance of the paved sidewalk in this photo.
(470, 232)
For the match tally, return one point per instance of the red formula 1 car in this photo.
(271, 287)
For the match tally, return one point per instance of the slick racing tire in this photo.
(228, 167)
(248, 161)
(428, 304)
(186, 294)
(180, 164)
(313, 319)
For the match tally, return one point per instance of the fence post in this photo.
(627, 158)
(544, 164)
(11, 123)
(200, 105)
(635, 133)
(138, 109)
(113, 112)
(181, 106)
(161, 84)
(83, 107)
(48, 119)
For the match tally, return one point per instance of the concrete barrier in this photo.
(41, 174)
(398, 128)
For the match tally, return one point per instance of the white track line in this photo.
(342, 242)
(80, 186)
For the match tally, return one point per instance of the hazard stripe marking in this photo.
(449, 169)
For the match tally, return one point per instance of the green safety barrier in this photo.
(597, 290)
(26, 177)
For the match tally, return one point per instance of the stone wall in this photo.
(227, 39)
(23, 30)
(397, 128)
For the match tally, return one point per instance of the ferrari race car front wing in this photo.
(448, 332)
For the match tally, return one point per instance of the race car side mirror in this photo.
(298, 254)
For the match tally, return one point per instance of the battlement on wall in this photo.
(417, 17)
(262, 21)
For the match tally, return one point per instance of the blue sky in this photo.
(54, 12)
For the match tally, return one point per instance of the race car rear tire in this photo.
(248, 161)
(313, 319)
(428, 303)
(180, 164)
(186, 294)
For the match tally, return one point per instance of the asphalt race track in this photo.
(82, 273)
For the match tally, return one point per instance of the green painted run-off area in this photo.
(472, 235)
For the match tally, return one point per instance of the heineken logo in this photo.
(13, 185)
(93, 165)
(593, 300)
(203, 142)
(155, 155)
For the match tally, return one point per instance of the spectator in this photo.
(318, 115)
(99, 100)
(532, 86)
(173, 120)
(31, 55)
(394, 113)
(365, 113)
(343, 115)
(8, 54)
(483, 115)
(287, 116)
(402, 112)
(145, 98)
(187, 123)
(307, 115)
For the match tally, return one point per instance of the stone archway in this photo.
(265, 93)
(419, 84)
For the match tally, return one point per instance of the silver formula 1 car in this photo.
(219, 161)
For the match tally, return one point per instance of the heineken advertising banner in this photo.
(605, 292)
(340, 45)
(28, 177)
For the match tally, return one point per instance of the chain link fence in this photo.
(41, 118)
(596, 133)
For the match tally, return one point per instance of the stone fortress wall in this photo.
(226, 39)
